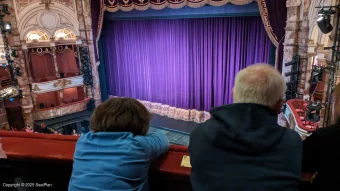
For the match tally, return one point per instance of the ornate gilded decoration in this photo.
(175, 113)
(265, 19)
(40, 114)
(55, 85)
(111, 2)
(62, 83)
(21, 4)
(36, 88)
(293, 3)
(47, 3)
(39, 50)
(86, 65)
(112, 5)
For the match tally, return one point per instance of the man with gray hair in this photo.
(242, 147)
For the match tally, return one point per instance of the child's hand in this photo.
(2, 153)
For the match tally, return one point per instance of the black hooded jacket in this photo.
(321, 154)
(243, 148)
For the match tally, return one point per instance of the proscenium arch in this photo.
(35, 8)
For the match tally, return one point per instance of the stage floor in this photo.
(177, 131)
(178, 125)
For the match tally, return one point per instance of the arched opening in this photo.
(64, 35)
(36, 36)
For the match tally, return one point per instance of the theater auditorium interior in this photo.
(60, 59)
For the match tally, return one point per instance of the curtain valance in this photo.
(128, 5)
(97, 9)
(273, 13)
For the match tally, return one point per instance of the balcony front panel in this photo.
(58, 111)
(56, 85)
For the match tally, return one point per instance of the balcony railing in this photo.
(296, 116)
(58, 111)
(58, 84)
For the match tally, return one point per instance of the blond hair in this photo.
(259, 84)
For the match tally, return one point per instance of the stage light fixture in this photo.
(8, 27)
(324, 20)
(316, 75)
(313, 112)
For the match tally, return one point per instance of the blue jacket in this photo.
(243, 148)
(115, 160)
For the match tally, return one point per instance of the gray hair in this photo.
(259, 84)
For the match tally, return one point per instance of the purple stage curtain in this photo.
(185, 63)
(95, 16)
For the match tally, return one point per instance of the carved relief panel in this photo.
(48, 16)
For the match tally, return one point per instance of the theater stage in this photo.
(176, 130)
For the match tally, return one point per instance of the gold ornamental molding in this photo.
(58, 111)
(59, 84)
(36, 88)
(62, 83)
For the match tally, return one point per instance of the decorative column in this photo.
(61, 97)
(303, 51)
(78, 44)
(85, 91)
(27, 61)
(85, 28)
(290, 44)
(34, 98)
(3, 117)
(291, 36)
(55, 61)
(19, 61)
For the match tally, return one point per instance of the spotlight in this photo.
(316, 75)
(324, 20)
(11, 99)
(8, 27)
(313, 112)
